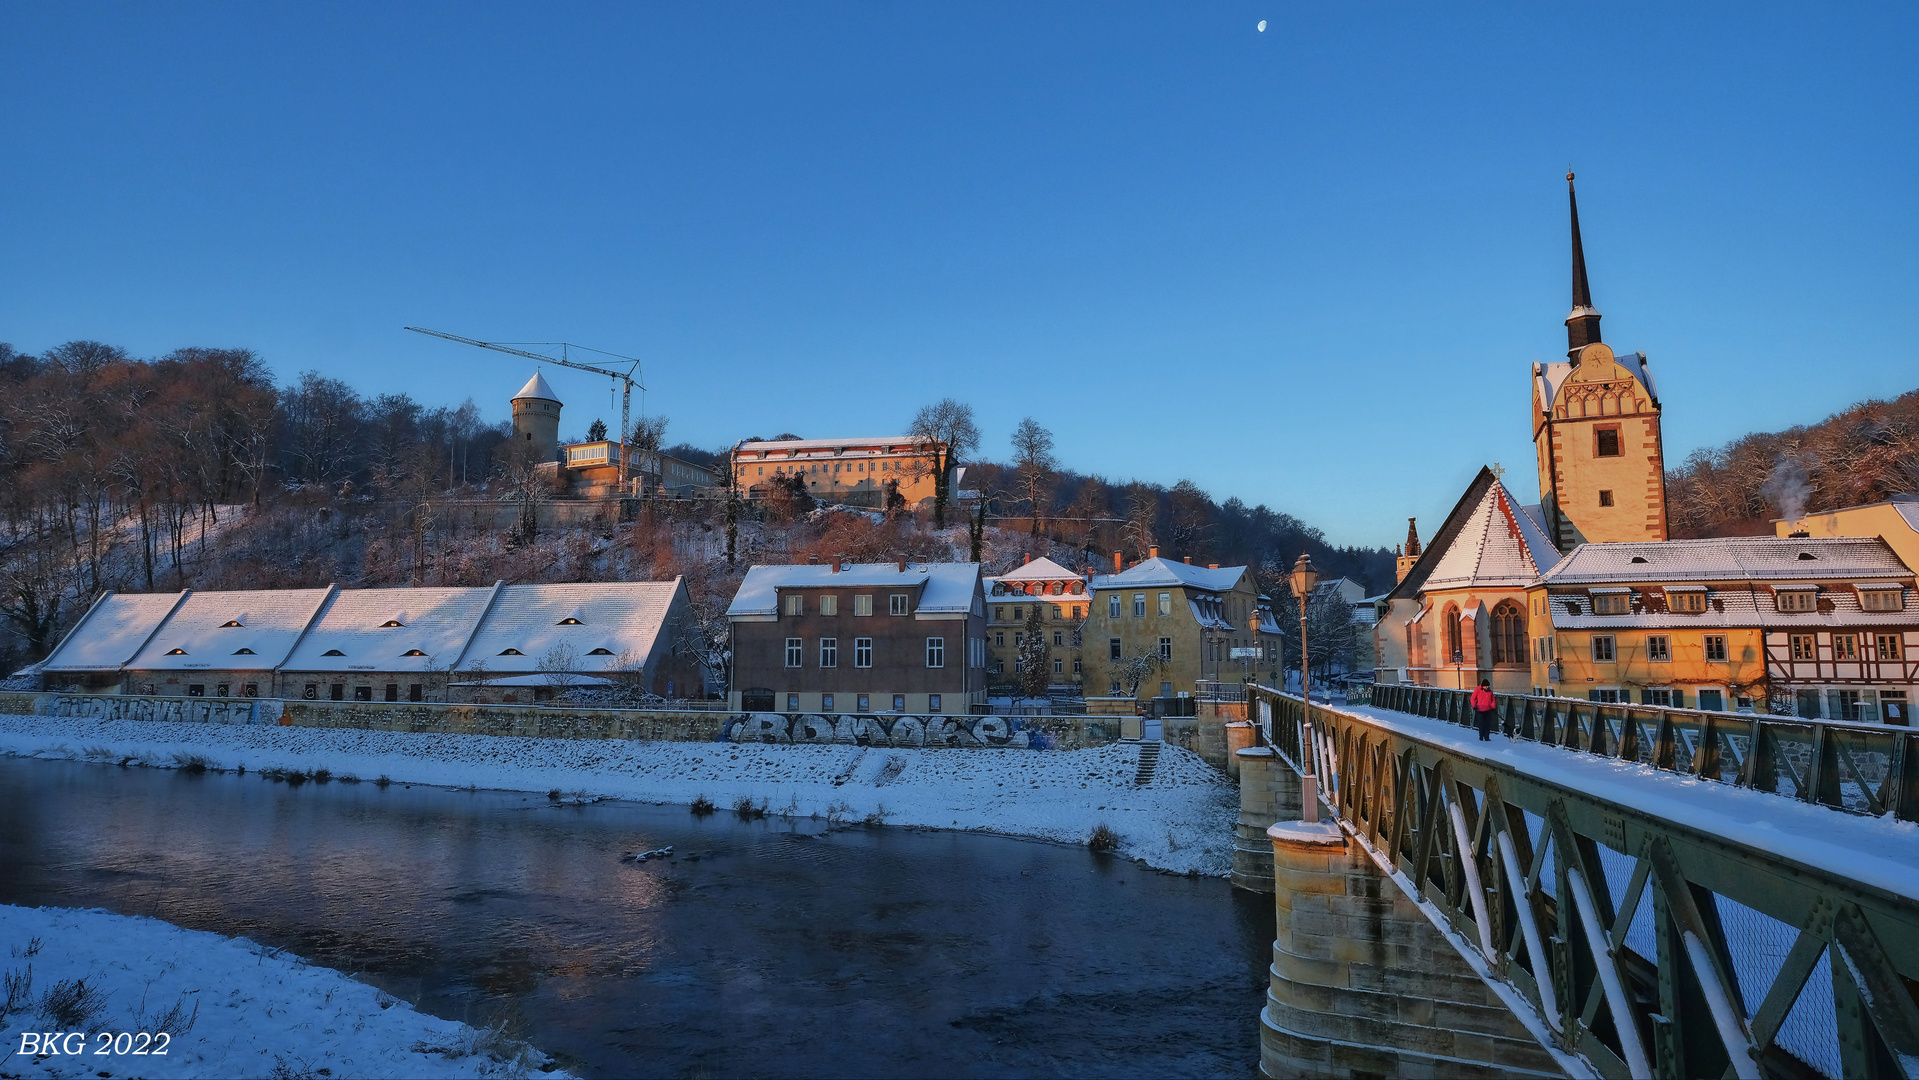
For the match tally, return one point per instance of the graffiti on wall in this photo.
(905, 730)
(168, 709)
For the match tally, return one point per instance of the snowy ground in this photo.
(1182, 822)
(229, 1007)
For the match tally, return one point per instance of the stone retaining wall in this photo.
(937, 731)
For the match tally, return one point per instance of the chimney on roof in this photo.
(1210, 565)
(812, 560)
(836, 565)
(1799, 534)
(1189, 559)
(1026, 558)
(1117, 565)
(1152, 552)
(902, 566)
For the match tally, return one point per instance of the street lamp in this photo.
(1302, 579)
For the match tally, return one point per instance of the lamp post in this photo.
(1302, 579)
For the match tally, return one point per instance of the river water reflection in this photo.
(769, 948)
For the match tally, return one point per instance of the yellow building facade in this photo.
(1191, 617)
(1062, 599)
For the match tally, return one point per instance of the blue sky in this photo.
(1309, 267)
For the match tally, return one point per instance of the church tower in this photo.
(1596, 431)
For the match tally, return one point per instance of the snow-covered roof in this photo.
(943, 587)
(873, 445)
(617, 617)
(1737, 606)
(433, 622)
(537, 388)
(1162, 572)
(1498, 545)
(1761, 559)
(1040, 569)
(112, 631)
(241, 630)
(540, 678)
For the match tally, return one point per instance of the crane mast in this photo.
(566, 360)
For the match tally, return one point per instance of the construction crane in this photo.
(565, 360)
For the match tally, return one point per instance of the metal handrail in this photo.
(1851, 765)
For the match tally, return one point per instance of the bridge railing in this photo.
(1649, 946)
(1862, 768)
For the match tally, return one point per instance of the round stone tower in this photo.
(536, 417)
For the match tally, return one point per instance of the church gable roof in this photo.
(1488, 541)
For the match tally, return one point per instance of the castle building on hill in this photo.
(1602, 475)
(592, 468)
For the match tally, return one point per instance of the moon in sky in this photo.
(1262, 26)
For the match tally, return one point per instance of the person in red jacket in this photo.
(1483, 706)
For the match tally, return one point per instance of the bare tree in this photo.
(560, 664)
(1142, 517)
(643, 442)
(1136, 669)
(1035, 464)
(950, 433)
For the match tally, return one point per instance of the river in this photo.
(764, 948)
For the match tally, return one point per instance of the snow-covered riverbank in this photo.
(1182, 821)
(211, 1006)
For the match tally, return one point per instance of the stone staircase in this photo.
(1148, 761)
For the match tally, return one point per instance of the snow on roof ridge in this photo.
(1042, 569)
(537, 388)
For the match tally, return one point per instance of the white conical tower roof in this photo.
(537, 387)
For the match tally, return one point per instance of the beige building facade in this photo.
(1190, 618)
(833, 469)
(1062, 600)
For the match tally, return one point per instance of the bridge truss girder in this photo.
(1434, 819)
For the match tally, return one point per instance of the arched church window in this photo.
(1509, 634)
(1453, 650)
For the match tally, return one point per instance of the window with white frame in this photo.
(1659, 648)
(1139, 605)
(863, 604)
(1112, 606)
(936, 652)
(829, 604)
(1166, 648)
(829, 652)
(1607, 694)
(793, 652)
(862, 652)
(896, 604)
(1659, 695)
(795, 604)
(1165, 603)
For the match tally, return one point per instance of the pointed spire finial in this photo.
(1412, 536)
(1582, 326)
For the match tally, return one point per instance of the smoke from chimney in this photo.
(1788, 486)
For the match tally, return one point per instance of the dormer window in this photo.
(390, 623)
(600, 652)
(1691, 602)
(1612, 603)
(511, 652)
(1795, 600)
(413, 652)
(333, 652)
(243, 652)
(231, 622)
(568, 621)
(176, 652)
(1882, 598)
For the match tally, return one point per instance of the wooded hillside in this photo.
(1864, 454)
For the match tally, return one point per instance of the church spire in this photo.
(1582, 326)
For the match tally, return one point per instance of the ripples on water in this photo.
(769, 948)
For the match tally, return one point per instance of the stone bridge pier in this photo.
(1362, 985)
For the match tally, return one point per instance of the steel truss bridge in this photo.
(1673, 893)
